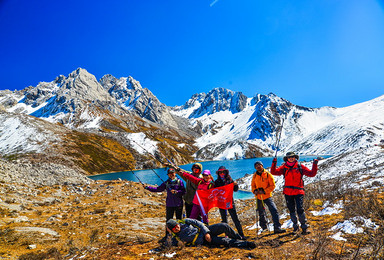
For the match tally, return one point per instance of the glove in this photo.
(261, 191)
(315, 161)
(255, 192)
(274, 160)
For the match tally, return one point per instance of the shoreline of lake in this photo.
(237, 169)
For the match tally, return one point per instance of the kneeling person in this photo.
(193, 232)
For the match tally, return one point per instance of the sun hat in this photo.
(290, 154)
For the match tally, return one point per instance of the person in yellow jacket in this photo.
(262, 186)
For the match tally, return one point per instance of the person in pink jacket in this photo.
(204, 183)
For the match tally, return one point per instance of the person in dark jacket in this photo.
(293, 191)
(223, 178)
(193, 233)
(175, 191)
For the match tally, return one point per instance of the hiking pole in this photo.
(265, 211)
(170, 162)
(257, 219)
(137, 177)
(278, 139)
(154, 157)
(157, 175)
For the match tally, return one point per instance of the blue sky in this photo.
(313, 53)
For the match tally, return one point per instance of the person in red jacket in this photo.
(293, 173)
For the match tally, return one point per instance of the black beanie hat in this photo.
(171, 223)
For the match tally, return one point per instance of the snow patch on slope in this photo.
(141, 143)
(23, 136)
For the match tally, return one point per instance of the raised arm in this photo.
(190, 177)
(181, 174)
(278, 171)
(156, 189)
(308, 172)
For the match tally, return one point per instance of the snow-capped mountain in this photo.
(222, 124)
(227, 119)
(80, 101)
(93, 115)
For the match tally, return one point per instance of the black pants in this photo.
(188, 209)
(295, 204)
(235, 218)
(233, 239)
(170, 211)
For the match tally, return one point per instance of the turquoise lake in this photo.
(237, 169)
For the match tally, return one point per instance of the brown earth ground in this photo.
(120, 220)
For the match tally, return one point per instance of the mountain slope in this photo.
(221, 124)
(109, 109)
(258, 120)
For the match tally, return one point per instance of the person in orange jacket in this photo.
(262, 186)
(293, 191)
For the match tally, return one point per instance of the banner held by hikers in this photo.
(220, 197)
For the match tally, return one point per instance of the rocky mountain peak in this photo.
(219, 99)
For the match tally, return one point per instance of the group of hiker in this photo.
(195, 228)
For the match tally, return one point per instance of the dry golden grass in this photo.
(120, 220)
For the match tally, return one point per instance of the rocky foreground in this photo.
(48, 211)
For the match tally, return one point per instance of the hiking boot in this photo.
(279, 231)
(251, 245)
(264, 230)
(305, 232)
(163, 240)
(295, 228)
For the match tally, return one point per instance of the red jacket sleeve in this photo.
(308, 172)
(192, 178)
(278, 171)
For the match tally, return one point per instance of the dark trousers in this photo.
(178, 211)
(295, 204)
(235, 218)
(188, 211)
(262, 214)
(170, 211)
(232, 239)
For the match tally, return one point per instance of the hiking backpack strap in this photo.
(182, 221)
